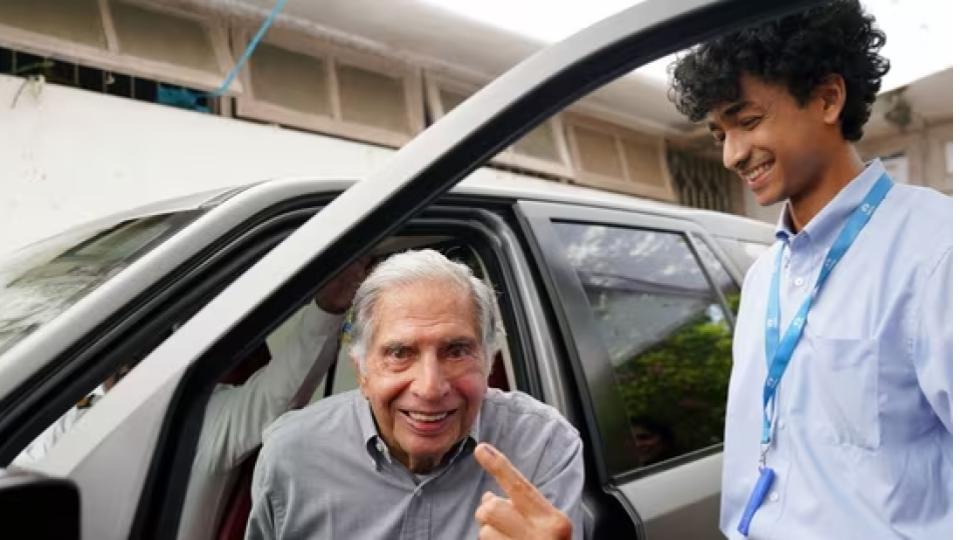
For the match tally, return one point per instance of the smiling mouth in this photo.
(428, 417)
(753, 174)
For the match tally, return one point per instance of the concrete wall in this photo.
(925, 149)
(68, 156)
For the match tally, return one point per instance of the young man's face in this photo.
(425, 374)
(776, 146)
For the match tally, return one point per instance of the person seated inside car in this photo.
(237, 413)
(43, 443)
(423, 448)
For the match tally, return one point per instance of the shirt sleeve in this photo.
(933, 345)
(263, 522)
(41, 446)
(237, 415)
(562, 476)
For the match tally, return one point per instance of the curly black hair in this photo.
(798, 51)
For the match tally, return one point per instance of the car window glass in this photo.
(344, 375)
(42, 281)
(720, 276)
(743, 252)
(664, 330)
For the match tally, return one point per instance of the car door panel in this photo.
(108, 452)
(682, 491)
(694, 483)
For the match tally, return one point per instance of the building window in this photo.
(617, 158)
(147, 42)
(77, 21)
(66, 73)
(273, 67)
(162, 37)
(368, 98)
(666, 335)
(298, 81)
(543, 150)
(702, 182)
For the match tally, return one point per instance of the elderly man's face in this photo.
(425, 373)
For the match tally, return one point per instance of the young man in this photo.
(840, 402)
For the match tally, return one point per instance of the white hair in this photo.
(418, 266)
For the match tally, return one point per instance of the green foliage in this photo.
(678, 387)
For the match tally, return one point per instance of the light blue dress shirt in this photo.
(863, 434)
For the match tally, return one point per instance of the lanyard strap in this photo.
(779, 352)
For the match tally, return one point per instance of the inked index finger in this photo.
(525, 496)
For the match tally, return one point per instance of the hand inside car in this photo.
(525, 513)
(337, 294)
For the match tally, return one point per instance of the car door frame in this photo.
(582, 340)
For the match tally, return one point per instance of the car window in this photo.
(664, 330)
(743, 252)
(41, 281)
(720, 276)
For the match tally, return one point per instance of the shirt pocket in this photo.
(845, 390)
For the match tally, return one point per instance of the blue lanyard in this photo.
(780, 351)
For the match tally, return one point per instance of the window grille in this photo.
(299, 81)
(124, 36)
(701, 182)
(76, 75)
(543, 150)
(617, 158)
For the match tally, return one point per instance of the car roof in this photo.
(486, 183)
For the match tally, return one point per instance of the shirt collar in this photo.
(374, 445)
(377, 447)
(830, 218)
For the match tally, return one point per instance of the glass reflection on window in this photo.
(665, 332)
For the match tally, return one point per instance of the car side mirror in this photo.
(37, 506)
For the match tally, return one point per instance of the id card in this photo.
(756, 499)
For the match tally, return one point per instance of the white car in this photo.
(617, 311)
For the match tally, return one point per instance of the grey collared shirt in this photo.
(325, 473)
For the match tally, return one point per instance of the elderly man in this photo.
(395, 458)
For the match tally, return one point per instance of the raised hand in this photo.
(525, 513)
(337, 294)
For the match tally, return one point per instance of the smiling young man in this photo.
(395, 459)
(839, 417)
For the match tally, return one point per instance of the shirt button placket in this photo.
(413, 520)
(418, 516)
